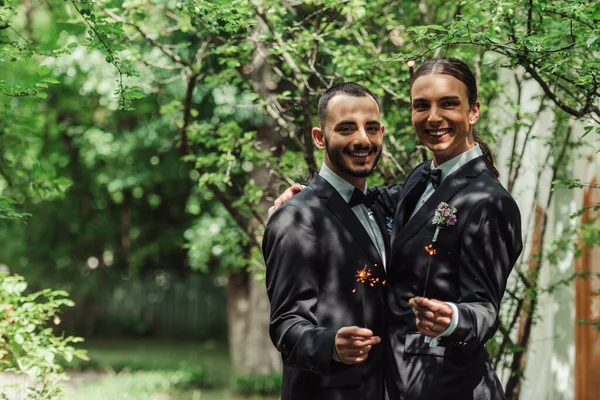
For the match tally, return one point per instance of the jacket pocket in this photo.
(415, 344)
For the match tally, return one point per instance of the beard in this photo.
(337, 159)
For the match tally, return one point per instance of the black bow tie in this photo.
(359, 197)
(432, 175)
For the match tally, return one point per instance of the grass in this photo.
(153, 370)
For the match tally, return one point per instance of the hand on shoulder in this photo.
(285, 196)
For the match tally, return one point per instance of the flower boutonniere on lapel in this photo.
(445, 215)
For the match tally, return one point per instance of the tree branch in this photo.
(513, 159)
(153, 42)
(183, 147)
(521, 154)
(240, 220)
(507, 331)
(529, 18)
(302, 86)
(546, 88)
(187, 114)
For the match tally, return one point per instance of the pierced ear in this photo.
(474, 113)
(318, 138)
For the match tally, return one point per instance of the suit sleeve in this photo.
(490, 247)
(389, 197)
(291, 252)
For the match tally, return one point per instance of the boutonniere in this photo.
(445, 215)
(389, 222)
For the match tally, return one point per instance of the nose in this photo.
(362, 138)
(434, 117)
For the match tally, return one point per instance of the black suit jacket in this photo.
(473, 260)
(313, 247)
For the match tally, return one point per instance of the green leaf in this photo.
(44, 70)
(436, 27)
(64, 181)
(49, 357)
(19, 339)
(134, 93)
(586, 130)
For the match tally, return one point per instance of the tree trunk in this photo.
(249, 343)
(248, 312)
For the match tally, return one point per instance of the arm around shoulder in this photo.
(389, 197)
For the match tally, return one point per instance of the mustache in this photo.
(370, 148)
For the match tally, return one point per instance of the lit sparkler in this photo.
(363, 276)
(429, 249)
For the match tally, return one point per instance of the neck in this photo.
(441, 157)
(359, 182)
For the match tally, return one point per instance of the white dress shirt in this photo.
(362, 212)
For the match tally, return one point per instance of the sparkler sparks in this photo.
(429, 248)
(364, 277)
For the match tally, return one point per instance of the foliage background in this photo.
(142, 141)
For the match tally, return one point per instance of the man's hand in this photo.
(288, 194)
(353, 344)
(433, 316)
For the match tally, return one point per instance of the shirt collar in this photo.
(344, 188)
(453, 164)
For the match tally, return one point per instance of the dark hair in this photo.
(461, 71)
(350, 88)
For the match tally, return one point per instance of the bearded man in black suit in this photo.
(325, 256)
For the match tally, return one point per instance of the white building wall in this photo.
(550, 360)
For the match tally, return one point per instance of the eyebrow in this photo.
(344, 123)
(441, 99)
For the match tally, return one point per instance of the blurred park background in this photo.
(142, 141)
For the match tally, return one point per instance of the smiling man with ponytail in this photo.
(443, 304)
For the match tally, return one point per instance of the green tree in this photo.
(165, 118)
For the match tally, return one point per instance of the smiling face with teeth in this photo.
(352, 137)
(442, 116)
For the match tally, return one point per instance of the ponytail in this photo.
(486, 151)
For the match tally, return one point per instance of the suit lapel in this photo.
(380, 218)
(344, 213)
(414, 188)
(445, 192)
